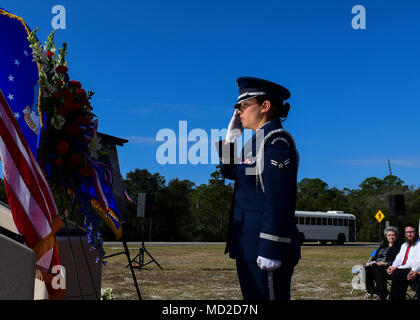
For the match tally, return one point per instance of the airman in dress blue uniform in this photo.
(263, 237)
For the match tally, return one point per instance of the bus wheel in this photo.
(302, 237)
(341, 238)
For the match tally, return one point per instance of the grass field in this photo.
(205, 273)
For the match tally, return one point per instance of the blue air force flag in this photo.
(19, 76)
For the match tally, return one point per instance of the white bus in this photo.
(334, 226)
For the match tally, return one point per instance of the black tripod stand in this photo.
(138, 260)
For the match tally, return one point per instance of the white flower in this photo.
(58, 122)
(94, 146)
(107, 294)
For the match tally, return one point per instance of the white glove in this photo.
(234, 129)
(268, 264)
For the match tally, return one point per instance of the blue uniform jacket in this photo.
(262, 218)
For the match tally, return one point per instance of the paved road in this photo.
(136, 245)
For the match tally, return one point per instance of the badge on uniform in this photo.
(281, 164)
(280, 139)
(248, 161)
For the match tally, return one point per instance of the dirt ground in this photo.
(206, 273)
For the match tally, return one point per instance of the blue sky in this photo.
(355, 93)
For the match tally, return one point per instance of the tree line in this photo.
(187, 212)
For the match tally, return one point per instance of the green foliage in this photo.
(140, 181)
(363, 202)
(186, 212)
(211, 207)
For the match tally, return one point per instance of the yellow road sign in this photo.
(379, 216)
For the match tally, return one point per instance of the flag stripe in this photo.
(45, 261)
(13, 126)
(22, 222)
(25, 172)
(26, 200)
(31, 203)
(14, 129)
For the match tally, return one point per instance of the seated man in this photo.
(406, 267)
(376, 268)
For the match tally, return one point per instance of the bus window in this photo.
(307, 220)
(324, 221)
(340, 222)
(346, 222)
(319, 221)
(334, 222)
(301, 220)
(313, 221)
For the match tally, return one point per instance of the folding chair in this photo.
(359, 280)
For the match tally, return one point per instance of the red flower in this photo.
(59, 83)
(66, 94)
(50, 54)
(62, 147)
(61, 69)
(75, 84)
(75, 160)
(81, 93)
(62, 111)
(85, 171)
(81, 120)
(58, 162)
(85, 102)
(69, 105)
(71, 129)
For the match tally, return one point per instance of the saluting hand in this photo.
(235, 128)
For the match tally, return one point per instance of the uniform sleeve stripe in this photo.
(274, 238)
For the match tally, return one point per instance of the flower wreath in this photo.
(69, 145)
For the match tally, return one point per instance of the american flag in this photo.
(31, 202)
(19, 76)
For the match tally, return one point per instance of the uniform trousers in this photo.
(257, 284)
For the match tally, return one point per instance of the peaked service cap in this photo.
(250, 87)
